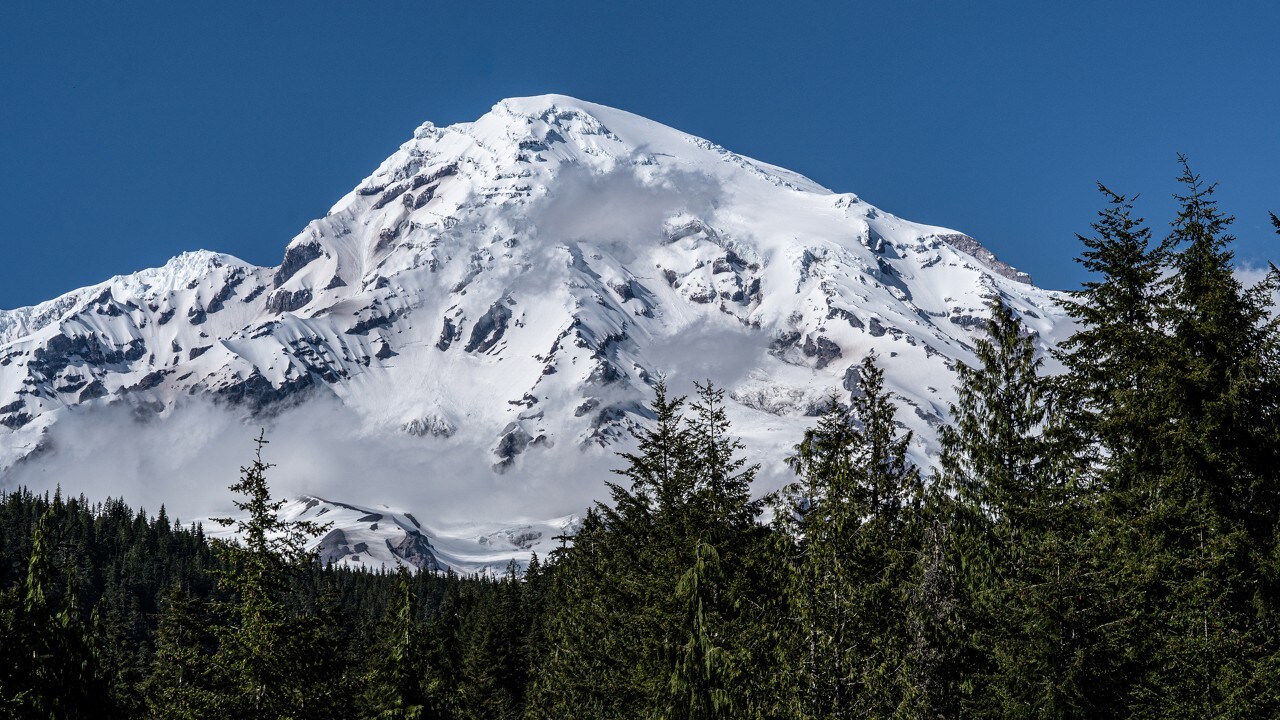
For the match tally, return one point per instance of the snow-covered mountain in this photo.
(382, 538)
(516, 284)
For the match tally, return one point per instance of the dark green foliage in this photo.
(651, 610)
(1108, 398)
(393, 691)
(60, 557)
(1203, 511)
(853, 532)
(49, 667)
(259, 651)
(701, 684)
(1018, 525)
(183, 683)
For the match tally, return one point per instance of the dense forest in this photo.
(1101, 542)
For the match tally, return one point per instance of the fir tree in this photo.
(1012, 531)
(394, 686)
(855, 522)
(254, 647)
(1111, 361)
(701, 681)
(1208, 507)
(52, 672)
(183, 683)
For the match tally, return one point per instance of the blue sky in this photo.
(131, 132)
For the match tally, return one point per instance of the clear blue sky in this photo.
(132, 131)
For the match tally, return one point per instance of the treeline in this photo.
(1101, 542)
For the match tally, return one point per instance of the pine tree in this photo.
(184, 682)
(52, 673)
(702, 669)
(254, 646)
(492, 664)
(657, 471)
(394, 685)
(1014, 531)
(1109, 394)
(1111, 423)
(1223, 388)
(995, 448)
(1208, 508)
(597, 632)
(817, 516)
(721, 477)
(854, 519)
(619, 620)
(445, 647)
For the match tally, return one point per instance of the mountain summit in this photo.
(516, 284)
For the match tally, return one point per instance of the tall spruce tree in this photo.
(255, 649)
(621, 627)
(854, 519)
(1015, 533)
(1210, 504)
(1223, 391)
(183, 683)
(52, 672)
(600, 660)
(716, 528)
(394, 689)
(701, 683)
(1111, 360)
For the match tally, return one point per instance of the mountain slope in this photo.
(512, 287)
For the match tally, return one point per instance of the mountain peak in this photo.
(510, 288)
(538, 105)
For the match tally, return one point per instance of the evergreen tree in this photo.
(51, 672)
(1111, 421)
(855, 523)
(619, 621)
(183, 683)
(445, 648)
(1208, 507)
(394, 688)
(596, 627)
(701, 681)
(1111, 361)
(254, 646)
(1222, 386)
(492, 663)
(1015, 533)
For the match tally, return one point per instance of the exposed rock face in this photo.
(966, 244)
(430, 425)
(282, 301)
(296, 257)
(489, 329)
(333, 547)
(409, 547)
(822, 350)
(415, 550)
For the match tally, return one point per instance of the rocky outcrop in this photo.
(489, 328)
(283, 301)
(968, 245)
(296, 257)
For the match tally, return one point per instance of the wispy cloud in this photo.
(188, 459)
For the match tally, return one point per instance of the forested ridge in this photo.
(1104, 542)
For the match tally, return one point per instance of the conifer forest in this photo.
(1100, 542)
